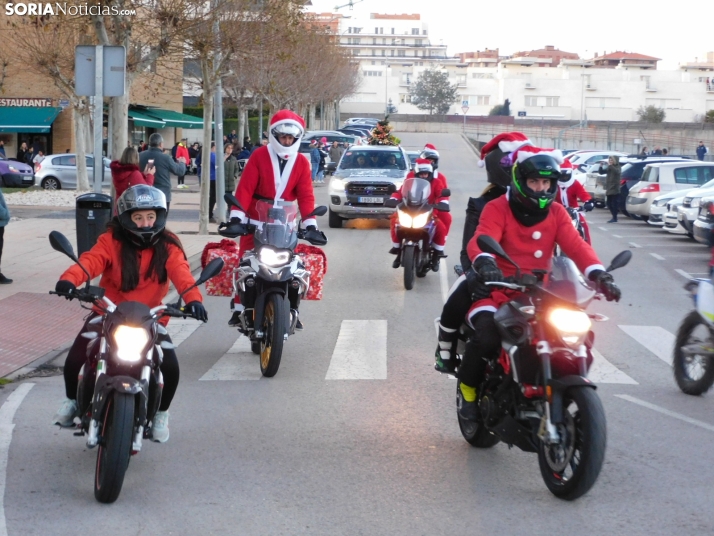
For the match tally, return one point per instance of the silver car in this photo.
(366, 176)
(59, 171)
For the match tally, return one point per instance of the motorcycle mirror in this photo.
(319, 211)
(620, 260)
(212, 269)
(391, 203)
(59, 242)
(445, 192)
(443, 207)
(231, 200)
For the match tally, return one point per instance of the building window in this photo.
(384, 40)
(392, 31)
(374, 53)
(383, 52)
(415, 31)
(417, 42)
(392, 52)
(646, 80)
(423, 32)
(374, 62)
(374, 40)
(376, 30)
(481, 100)
(405, 98)
(531, 101)
(551, 101)
(595, 102)
(356, 41)
(372, 73)
(349, 30)
(401, 53)
(481, 75)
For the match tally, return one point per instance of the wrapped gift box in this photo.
(222, 284)
(315, 262)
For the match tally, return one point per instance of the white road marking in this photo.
(667, 412)
(444, 279)
(181, 329)
(7, 413)
(603, 228)
(658, 257)
(682, 273)
(602, 371)
(657, 340)
(634, 245)
(239, 363)
(360, 352)
(617, 236)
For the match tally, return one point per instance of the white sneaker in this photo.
(160, 427)
(66, 414)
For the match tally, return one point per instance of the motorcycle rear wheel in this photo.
(685, 366)
(475, 433)
(271, 347)
(570, 468)
(408, 262)
(114, 448)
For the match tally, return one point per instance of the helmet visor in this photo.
(289, 129)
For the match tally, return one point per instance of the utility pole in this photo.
(220, 210)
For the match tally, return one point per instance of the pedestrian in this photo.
(164, 165)
(38, 158)
(247, 144)
(612, 185)
(136, 258)
(173, 151)
(212, 189)
(701, 151)
(644, 151)
(322, 163)
(126, 173)
(233, 137)
(335, 152)
(4, 220)
(665, 152)
(2, 149)
(314, 160)
(22, 153)
(193, 153)
(657, 151)
(182, 152)
(230, 171)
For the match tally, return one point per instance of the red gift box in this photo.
(315, 262)
(222, 284)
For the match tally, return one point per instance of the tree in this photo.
(501, 109)
(650, 114)
(709, 117)
(433, 92)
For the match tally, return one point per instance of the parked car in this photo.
(689, 210)
(595, 182)
(14, 174)
(413, 155)
(362, 132)
(360, 186)
(582, 160)
(671, 217)
(632, 169)
(362, 121)
(703, 226)
(665, 177)
(661, 206)
(59, 171)
(339, 137)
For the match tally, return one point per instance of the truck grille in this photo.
(371, 189)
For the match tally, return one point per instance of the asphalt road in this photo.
(302, 454)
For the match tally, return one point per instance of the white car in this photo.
(689, 209)
(671, 217)
(659, 207)
(582, 160)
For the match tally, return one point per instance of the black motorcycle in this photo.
(577, 223)
(536, 394)
(416, 226)
(120, 385)
(268, 275)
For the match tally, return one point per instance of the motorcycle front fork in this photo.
(548, 432)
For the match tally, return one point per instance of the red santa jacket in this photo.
(261, 179)
(570, 192)
(437, 175)
(125, 175)
(182, 151)
(434, 196)
(531, 248)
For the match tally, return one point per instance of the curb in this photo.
(194, 263)
(471, 145)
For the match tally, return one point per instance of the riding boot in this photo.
(435, 259)
(446, 350)
(398, 260)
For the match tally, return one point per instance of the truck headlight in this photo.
(338, 185)
(273, 257)
(695, 202)
(130, 342)
(572, 325)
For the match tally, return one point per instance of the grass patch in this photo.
(15, 190)
(4, 381)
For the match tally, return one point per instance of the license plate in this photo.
(370, 200)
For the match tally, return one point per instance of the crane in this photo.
(349, 4)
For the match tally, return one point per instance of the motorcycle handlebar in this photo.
(78, 295)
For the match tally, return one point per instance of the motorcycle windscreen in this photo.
(568, 284)
(416, 191)
(277, 224)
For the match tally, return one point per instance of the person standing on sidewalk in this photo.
(314, 160)
(4, 220)
(126, 173)
(182, 152)
(230, 170)
(701, 150)
(212, 190)
(612, 185)
(164, 165)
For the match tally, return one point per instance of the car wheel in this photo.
(51, 183)
(334, 221)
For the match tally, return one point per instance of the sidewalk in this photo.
(33, 323)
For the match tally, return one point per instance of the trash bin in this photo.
(93, 213)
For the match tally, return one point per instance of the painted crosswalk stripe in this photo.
(634, 245)
(682, 273)
(657, 340)
(181, 329)
(602, 371)
(658, 257)
(360, 352)
(239, 363)
(603, 228)
(667, 412)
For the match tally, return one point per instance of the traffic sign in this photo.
(464, 103)
(465, 109)
(521, 114)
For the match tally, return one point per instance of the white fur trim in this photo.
(589, 269)
(238, 214)
(396, 245)
(437, 247)
(482, 309)
(310, 221)
(281, 180)
(510, 146)
(481, 163)
(524, 154)
(447, 330)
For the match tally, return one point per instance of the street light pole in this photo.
(386, 97)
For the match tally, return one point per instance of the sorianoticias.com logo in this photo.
(42, 9)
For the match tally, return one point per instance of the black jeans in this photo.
(2, 242)
(483, 346)
(456, 306)
(211, 199)
(613, 205)
(77, 357)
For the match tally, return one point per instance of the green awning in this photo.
(27, 119)
(143, 120)
(174, 119)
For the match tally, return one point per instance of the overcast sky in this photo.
(677, 32)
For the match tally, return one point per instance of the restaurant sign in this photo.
(33, 103)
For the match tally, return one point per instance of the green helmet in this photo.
(539, 166)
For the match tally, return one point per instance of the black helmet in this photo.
(539, 166)
(498, 167)
(431, 154)
(142, 197)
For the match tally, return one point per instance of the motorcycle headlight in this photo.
(405, 220)
(337, 185)
(130, 342)
(420, 220)
(273, 257)
(572, 325)
(695, 202)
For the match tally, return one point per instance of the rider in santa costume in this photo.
(570, 192)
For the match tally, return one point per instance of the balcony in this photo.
(590, 87)
(651, 89)
(530, 85)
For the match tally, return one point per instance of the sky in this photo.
(677, 32)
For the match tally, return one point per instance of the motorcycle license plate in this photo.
(370, 200)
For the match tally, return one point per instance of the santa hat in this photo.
(524, 153)
(287, 116)
(423, 164)
(507, 142)
(566, 167)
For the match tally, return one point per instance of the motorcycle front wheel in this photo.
(117, 429)
(475, 433)
(271, 347)
(571, 467)
(693, 373)
(409, 264)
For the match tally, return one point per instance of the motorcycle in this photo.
(536, 394)
(575, 215)
(267, 274)
(416, 227)
(120, 385)
(693, 360)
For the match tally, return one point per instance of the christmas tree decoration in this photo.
(381, 134)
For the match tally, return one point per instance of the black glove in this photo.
(315, 237)
(196, 310)
(65, 287)
(588, 206)
(477, 288)
(487, 269)
(606, 285)
(233, 228)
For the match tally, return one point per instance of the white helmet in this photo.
(286, 122)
